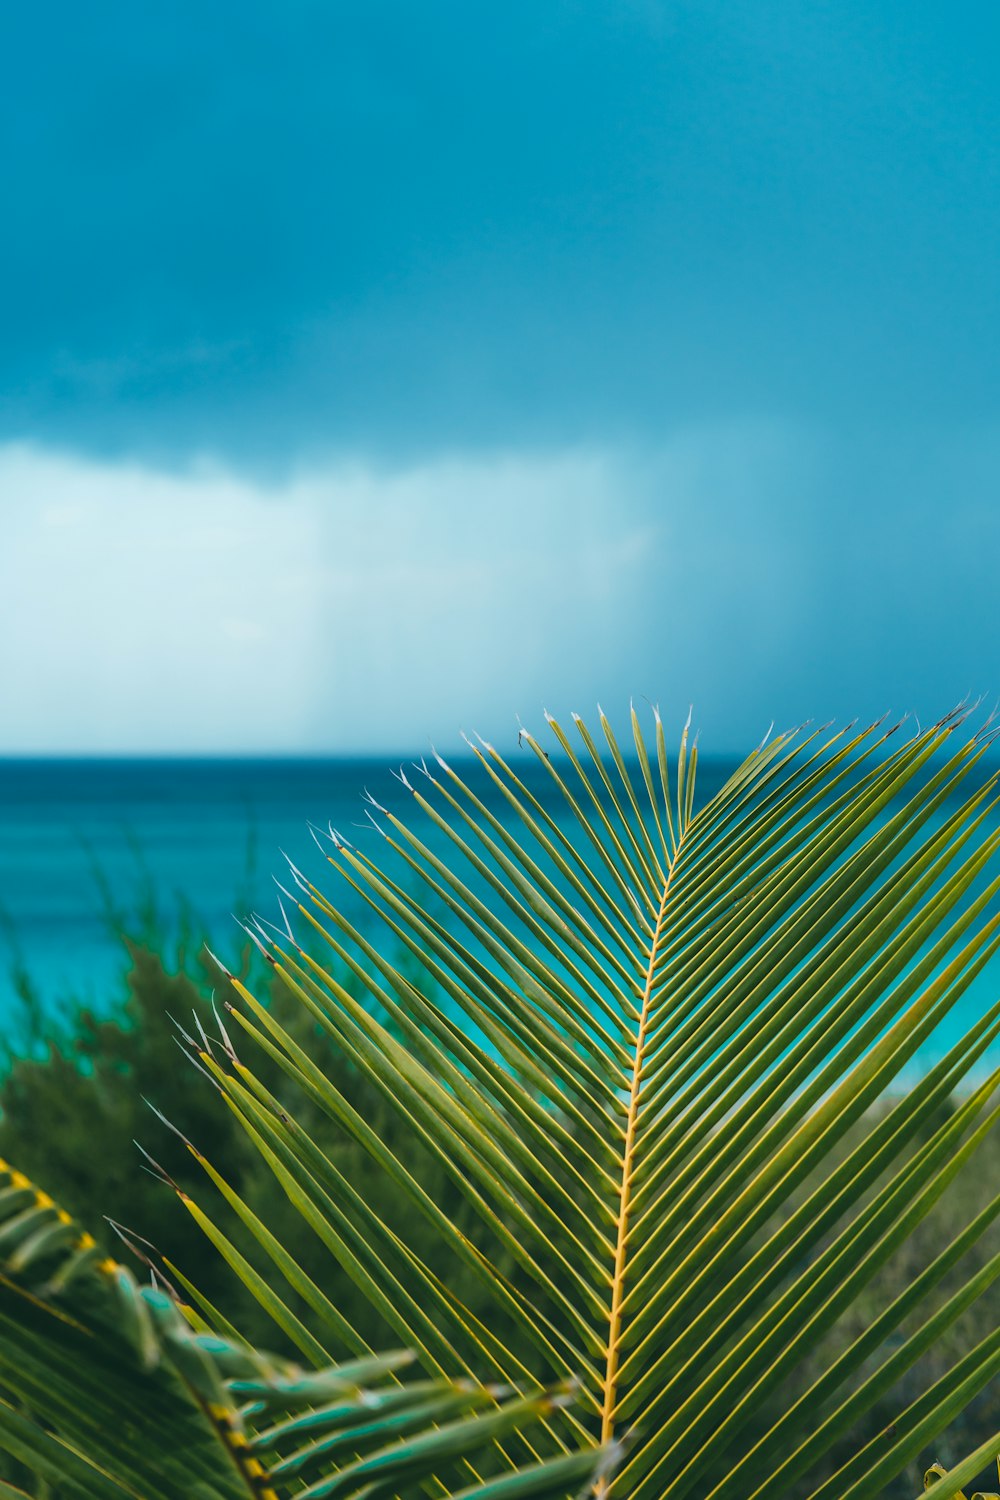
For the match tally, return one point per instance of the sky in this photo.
(373, 372)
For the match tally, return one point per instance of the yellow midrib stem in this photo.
(618, 1279)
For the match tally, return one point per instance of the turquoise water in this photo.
(79, 836)
(82, 841)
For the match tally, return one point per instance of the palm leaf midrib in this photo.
(610, 1384)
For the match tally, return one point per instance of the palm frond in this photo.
(115, 1391)
(639, 1039)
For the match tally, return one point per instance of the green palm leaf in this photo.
(639, 1040)
(111, 1391)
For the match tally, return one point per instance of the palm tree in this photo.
(653, 1046)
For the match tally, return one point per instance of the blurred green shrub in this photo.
(75, 1096)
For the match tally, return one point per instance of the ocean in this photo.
(87, 846)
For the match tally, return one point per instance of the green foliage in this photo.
(643, 1062)
(74, 1104)
(627, 1112)
(113, 1393)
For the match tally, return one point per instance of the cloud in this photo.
(347, 608)
(133, 604)
(352, 607)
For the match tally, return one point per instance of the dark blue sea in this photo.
(90, 846)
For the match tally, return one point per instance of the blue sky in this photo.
(369, 372)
